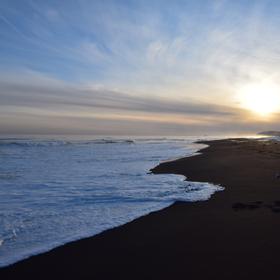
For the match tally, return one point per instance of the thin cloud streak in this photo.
(18, 94)
(36, 104)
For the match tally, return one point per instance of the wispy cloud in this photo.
(36, 96)
(41, 91)
(136, 60)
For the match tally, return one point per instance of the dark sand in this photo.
(234, 235)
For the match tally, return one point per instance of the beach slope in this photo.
(234, 235)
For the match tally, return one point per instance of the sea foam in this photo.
(55, 191)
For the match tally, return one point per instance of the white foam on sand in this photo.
(65, 191)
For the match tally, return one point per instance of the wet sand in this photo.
(234, 235)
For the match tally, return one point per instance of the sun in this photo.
(262, 98)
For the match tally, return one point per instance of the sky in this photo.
(139, 67)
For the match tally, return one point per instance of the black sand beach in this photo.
(234, 235)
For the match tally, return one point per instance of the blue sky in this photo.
(134, 67)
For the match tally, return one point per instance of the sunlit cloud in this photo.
(35, 96)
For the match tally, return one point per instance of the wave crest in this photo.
(49, 143)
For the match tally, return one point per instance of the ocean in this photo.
(58, 190)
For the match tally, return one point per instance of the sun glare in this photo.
(263, 99)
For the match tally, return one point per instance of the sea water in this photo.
(53, 191)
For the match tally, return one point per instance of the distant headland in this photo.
(270, 133)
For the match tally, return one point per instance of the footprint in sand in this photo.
(275, 207)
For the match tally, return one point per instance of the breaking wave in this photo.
(55, 191)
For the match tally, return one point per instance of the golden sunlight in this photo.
(262, 98)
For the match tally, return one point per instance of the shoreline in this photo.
(233, 235)
(51, 247)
